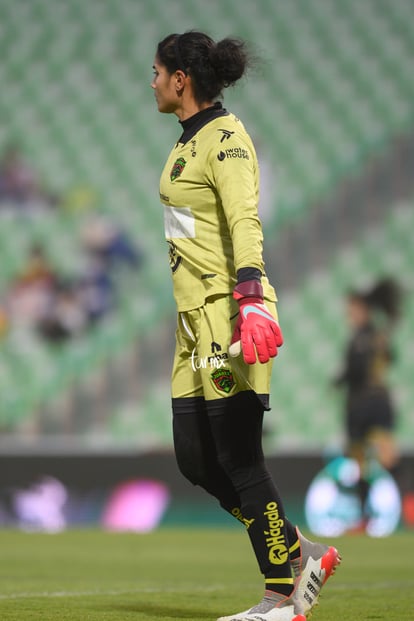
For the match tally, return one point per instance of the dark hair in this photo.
(213, 66)
(384, 296)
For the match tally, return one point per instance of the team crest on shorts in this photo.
(223, 380)
(178, 168)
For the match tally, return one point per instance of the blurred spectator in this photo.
(108, 242)
(30, 294)
(370, 417)
(59, 310)
(38, 270)
(65, 318)
(19, 183)
(96, 289)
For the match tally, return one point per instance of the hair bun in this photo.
(386, 295)
(229, 59)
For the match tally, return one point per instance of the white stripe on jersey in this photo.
(179, 223)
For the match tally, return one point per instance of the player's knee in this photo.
(192, 472)
(194, 468)
(187, 443)
(189, 463)
(244, 475)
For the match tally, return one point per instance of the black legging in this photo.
(218, 446)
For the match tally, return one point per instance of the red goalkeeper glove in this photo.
(256, 329)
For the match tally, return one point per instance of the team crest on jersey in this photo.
(175, 258)
(223, 380)
(178, 168)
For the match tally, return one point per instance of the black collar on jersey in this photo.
(192, 125)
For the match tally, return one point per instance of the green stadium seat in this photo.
(313, 322)
(335, 87)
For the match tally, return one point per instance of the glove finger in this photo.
(271, 342)
(277, 333)
(248, 348)
(261, 340)
(266, 342)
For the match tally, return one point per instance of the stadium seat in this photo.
(335, 86)
(313, 321)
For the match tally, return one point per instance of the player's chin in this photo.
(164, 107)
(160, 105)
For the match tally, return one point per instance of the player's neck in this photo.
(190, 108)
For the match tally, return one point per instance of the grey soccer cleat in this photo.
(273, 607)
(317, 562)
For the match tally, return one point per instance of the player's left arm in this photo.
(236, 179)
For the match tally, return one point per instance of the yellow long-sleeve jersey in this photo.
(209, 188)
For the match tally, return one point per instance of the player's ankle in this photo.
(278, 589)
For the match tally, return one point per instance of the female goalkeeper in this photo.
(227, 330)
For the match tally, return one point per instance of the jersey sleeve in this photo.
(234, 175)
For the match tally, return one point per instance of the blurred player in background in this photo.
(369, 412)
(227, 331)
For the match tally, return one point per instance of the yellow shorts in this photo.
(202, 365)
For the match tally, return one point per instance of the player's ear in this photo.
(180, 78)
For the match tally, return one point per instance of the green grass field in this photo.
(185, 574)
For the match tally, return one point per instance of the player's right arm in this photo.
(235, 175)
